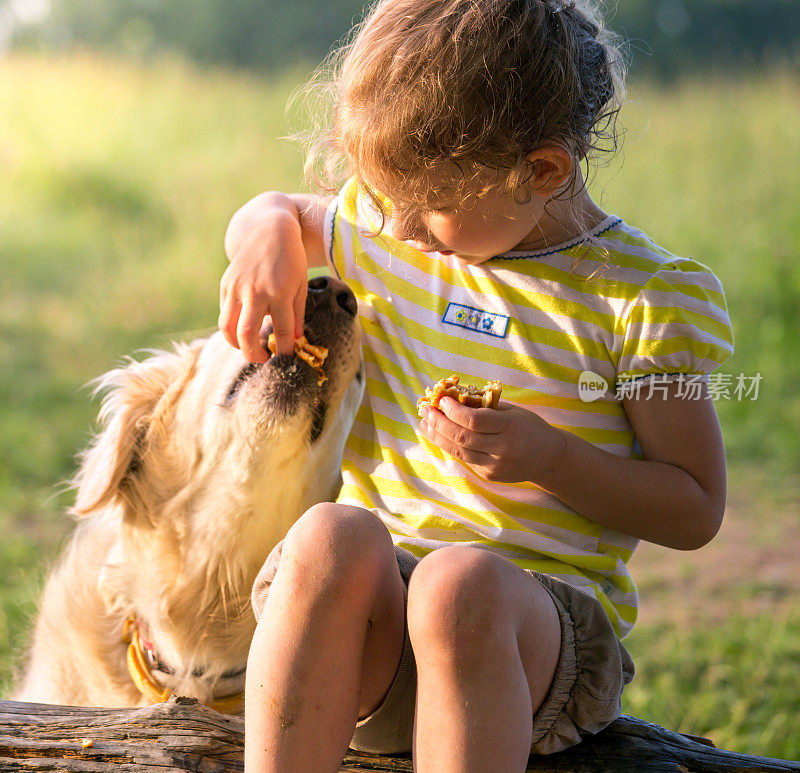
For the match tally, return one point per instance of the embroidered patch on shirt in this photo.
(474, 319)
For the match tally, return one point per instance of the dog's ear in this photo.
(139, 401)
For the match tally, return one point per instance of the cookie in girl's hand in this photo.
(473, 397)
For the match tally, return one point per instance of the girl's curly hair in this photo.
(472, 83)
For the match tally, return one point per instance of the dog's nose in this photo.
(346, 300)
(323, 290)
(318, 284)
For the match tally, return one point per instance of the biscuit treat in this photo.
(473, 397)
(313, 355)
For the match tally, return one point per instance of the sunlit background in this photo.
(130, 130)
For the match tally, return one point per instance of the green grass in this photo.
(118, 182)
(735, 683)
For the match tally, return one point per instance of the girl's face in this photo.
(474, 230)
(475, 227)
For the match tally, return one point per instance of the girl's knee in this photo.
(456, 600)
(337, 543)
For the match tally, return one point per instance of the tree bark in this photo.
(182, 735)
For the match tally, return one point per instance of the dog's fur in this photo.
(202, 465)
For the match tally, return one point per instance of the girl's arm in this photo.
(307, 209)
(674, 496)
(270, 243)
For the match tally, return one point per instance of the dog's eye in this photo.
(244, 374)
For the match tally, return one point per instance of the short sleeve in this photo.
(342, 225)
(678, 323)
(329, 234)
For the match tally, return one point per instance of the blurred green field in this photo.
(117, 183)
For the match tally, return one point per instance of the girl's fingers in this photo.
(477, 423)
(300, 309)
(283, 325)
(484, 421)
(247, 332)
(441, 430)
(228, 320)
(490, 438)
(473, 457)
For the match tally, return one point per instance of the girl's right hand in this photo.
(267, 275)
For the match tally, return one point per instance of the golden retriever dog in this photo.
(202, 464)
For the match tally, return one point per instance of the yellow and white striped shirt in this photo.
(527, 320)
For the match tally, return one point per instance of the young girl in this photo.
(465, 597)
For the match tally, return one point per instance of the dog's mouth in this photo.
(287, 367)
(291, 372)
(244, 374)
(286, 381)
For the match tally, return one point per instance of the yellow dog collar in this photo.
(146, 683)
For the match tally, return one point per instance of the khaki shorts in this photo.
(593, 668)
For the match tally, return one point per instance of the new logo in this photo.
(591, 386)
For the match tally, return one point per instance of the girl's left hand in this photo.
(506, 444)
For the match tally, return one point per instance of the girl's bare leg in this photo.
(486, 638)
(328, 643)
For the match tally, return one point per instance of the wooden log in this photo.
(182, 735)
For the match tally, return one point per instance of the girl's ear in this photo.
(552, 167)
